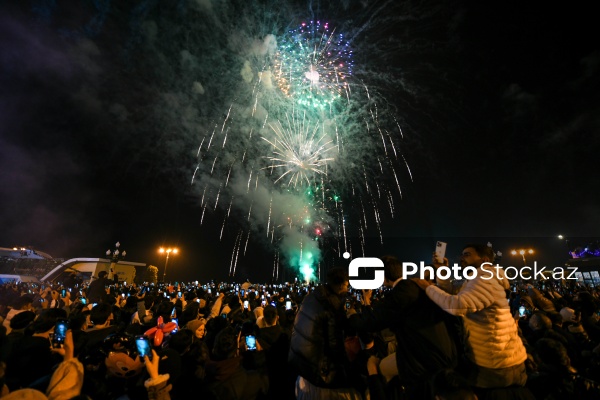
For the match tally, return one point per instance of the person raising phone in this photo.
(495, 348)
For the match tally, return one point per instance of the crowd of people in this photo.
(410, 339)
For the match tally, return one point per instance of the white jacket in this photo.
(491, 328)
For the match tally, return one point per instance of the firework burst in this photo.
(299, 149)
(313, 65)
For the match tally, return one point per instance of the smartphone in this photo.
(179, 294)
(358, 296)
(83, 301)
(209, 291)
(273, 304)
(63, 293)
(288, 305)
(348, 304)
(143, 347)
(245, 304)
(263, 303)
(243, 292)
(224, 315)
(250, 343)
(197, 300)
(60, 332)
(123, 295)
(262, 296)
(521, 311)
(440, 251)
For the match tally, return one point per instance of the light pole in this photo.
(114, 256)
(168, 251)
(522, 253)
(566, 239)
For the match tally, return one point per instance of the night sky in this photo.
(499, 104)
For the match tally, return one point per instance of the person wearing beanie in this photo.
(198, 327)
(23, 303)
(21, 321)
(33, 359)
(13, 340)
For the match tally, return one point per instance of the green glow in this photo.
(307, 271)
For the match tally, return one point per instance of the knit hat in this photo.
(568, 314)
(193, 325)
(22, 320)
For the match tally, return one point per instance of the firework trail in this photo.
(305, 147)
(282, 120)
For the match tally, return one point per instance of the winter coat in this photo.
(492, 330)
(317, 345)
(425, 344)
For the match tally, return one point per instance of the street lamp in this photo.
(168, 251)
(522, 253)
(566, 239)
(114, 256)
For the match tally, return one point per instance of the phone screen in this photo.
(440, 251)
(288, 305)
(245, 304)
(60, 332)
(243, 292)
(250, 343)
(143, 347)
(83, 300)
(521, 311)
(348, 305)
(63, 293)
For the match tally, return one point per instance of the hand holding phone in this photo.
(250, 343)
(60, 332)
(143, 347)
